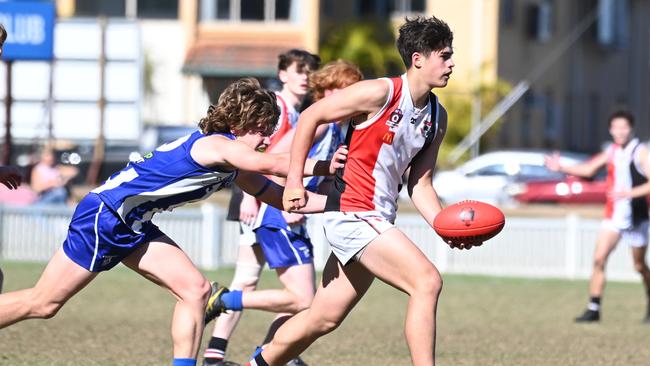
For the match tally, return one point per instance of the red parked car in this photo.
(568, 190)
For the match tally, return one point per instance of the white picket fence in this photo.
(527, 247)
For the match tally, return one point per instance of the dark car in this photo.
(570, 189)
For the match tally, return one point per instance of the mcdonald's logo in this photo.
(388, 137)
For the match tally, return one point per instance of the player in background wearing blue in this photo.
(285, 241)
(626, 208)
(294, 67)
(9, 175)
(112, 224)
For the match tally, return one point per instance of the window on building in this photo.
(158, 9)
(282, 9)
(252, 10)
(507, 12)
(93, 8)
(386, 8)
(613, 23)
(246, 10)
(539, 21)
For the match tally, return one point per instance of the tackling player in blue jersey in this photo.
(112, 224)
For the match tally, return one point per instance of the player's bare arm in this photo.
(586, 169)
(363, 98)
(267, 191)
(218, 150)
(420, 183)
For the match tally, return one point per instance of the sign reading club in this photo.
(30, 28)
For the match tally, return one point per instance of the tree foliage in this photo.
(370, 44)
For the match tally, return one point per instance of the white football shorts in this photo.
(350, 232)
(636, 236)
(246, 235)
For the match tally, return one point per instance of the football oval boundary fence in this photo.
(527, 247)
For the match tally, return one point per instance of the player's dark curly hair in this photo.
(244, 106)
(423, 35)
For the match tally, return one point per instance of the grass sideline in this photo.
(121, 319)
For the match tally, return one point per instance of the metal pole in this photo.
(6, 150)
(98, 152)
(509, 100)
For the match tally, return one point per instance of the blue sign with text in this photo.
(30, 30)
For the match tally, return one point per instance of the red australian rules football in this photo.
(469, 222)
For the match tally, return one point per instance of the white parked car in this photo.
(489, 177)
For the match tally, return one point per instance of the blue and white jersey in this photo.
(164, 179)
(323, 149)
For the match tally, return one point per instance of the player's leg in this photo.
(296, 295)
(291, 253)
(250, 261)
(300, 285)
(638, 241)
(299, 288)
(165, 264)
(70, 269)
(386, 257)
(638, 255)
(606, 241)
(340, 289)
(61, 279)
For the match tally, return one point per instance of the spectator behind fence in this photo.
(49, 179)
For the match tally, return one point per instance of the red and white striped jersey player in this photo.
(396, 123)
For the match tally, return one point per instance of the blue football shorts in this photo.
(283, 248)
(98, 239)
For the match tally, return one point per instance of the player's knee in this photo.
(430, 284)
(641, 267)
(196, 291)
(246, 276)
(327, 325)
(599, 264)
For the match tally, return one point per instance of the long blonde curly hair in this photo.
(243, 107)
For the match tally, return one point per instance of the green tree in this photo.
(369, 44)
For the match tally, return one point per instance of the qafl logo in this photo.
(394, 118)
(467, 216)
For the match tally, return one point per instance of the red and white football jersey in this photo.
(380, 151)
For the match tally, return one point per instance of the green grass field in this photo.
(121, 319)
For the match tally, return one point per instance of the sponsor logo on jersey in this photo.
(394, 118)
(426, 128)
(388, 137)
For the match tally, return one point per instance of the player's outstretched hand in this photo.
(10, 176)
(460, 245)
(339, 158)
(552, 162)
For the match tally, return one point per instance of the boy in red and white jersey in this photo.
(396, 123)
(626, 209)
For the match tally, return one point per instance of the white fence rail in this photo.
(527, 247)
